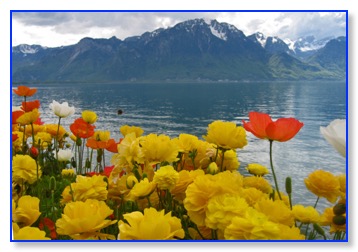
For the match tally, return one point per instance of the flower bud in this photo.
(339, 209)
(339, 220)
(212, 168)
(34, 152)
(288, 185)
(78, 141)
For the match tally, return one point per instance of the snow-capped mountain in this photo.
(196, 49)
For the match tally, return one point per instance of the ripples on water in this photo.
(188, 108)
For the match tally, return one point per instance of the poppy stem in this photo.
(273, 171)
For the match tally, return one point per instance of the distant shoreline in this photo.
(169, 82)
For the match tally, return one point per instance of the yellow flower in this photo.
(186, 142)
(226, 135)
(28, 117)
(67, 172)
(89, 116)
(126, 129)
(276, 211)
(166, 177)
(141, 190)
(101, 135)
(29, 233)
(222, 208)
(44, 138)
(185, 179)
(323, 184)
(231, 163)
(159, 149)
(131, 181)
(24, 169)
(18, 142)
(152, 225)
(253, 226)
(252, 195)
(86, 188)
(290, 233)
(52, 129)
(129, 153)
(257, 169)
(259, 183)
(326, 219)
(204, 188)
(83, 220)
(342, 184)
(27, 211)
(36, 128)
(305, 214)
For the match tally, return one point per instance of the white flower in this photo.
(335, 134)
(62, 110)
(64, 155)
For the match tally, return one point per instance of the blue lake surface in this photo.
(174, 108)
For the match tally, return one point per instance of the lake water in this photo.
(174, 108)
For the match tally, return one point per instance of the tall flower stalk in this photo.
(281, 130)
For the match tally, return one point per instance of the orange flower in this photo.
(30, 105)
(82, 129)
(25, 91)
(262, 126)
(112, 145)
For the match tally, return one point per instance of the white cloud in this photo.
(64, 28)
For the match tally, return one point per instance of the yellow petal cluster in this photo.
(323, 184)
(185, 179)
(83, 220)
(28, 233)
(253, 226)
(24, 169)
(166, 177)
(126, 129)
(44, 138)
(27, 210)
(86, 188)
(89, 116)
(101, 135)
(226, 135)
(141, 190)
(186, 142)
(152, 225)
(259, 183)
(277, 211)
(305, 214)
(28, 117)
(222, 208)
(159, 149)
(257, 169)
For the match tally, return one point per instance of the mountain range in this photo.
(194, 50)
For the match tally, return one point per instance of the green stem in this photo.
(222, 159)
(56, 139)
(316, 202)
(273, 171)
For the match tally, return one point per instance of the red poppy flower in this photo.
(14, 137)
(48, 224)
(82, 129)
(25, 91)
(38, 121)
(30, 105)
(262, 126)
(106, 172)
(16, 115)
(94, 144)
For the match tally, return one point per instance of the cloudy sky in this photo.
(65, 28)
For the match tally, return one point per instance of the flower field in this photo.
(161, 188)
